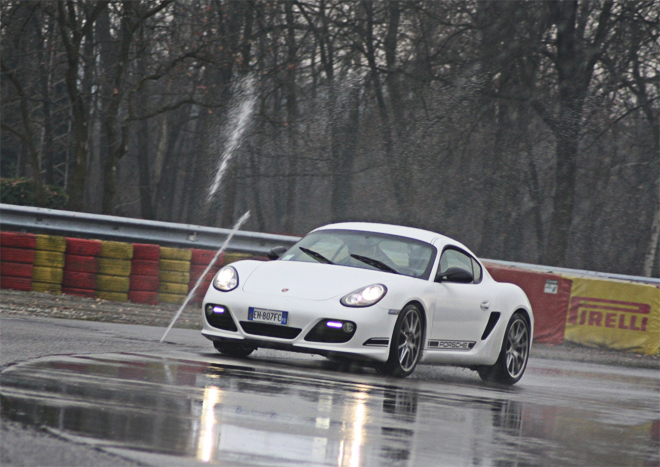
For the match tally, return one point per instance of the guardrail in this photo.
(85, 225)
(126, 229)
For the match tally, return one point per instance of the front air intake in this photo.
(219, 317)
(270, 330)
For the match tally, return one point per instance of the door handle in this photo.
(485, 305)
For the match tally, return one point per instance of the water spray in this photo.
(239, 118)
(237, 226)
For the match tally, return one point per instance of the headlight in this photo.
(226, 279)
(365, 296)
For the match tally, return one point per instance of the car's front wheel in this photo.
(406, 344)
(512, 361)
(232, 349)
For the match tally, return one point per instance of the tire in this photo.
(46, 287)
(112, 296)
(138, 296)
(89, 264)
(82, 247)
(173, 298)
(406, 343)
(79, 280)
(196, 271)
(49, 259)
(79, 292)
(108, 283)
(233, 257)
(146, 251)
(114, 267)
(233, 349)
(48, 275)
(204, 257)
(116, 250)
(16, 283)
(18, 240)
(173, 288)
(174, 277)
(175, 254)
(50, 243)
(143, 283)
(16, 269)
(144, 267)
(512, 361)
(17, 255)
(174, 265)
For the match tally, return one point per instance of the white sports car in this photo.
(392, 296)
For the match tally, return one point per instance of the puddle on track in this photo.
(232, 414)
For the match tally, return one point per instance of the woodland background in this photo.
(528, 130)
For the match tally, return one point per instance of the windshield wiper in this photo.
(317, 256)
(375, 263)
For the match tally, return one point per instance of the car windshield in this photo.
(366, 250)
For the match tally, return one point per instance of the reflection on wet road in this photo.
(232, 412)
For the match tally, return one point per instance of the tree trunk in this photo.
(291, 118)
(146, 207)
(575, 59)
(72, 35)
(396, 173)
(28, 137)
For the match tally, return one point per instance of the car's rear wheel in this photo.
(232, 349)
(406, 344)
(512, 361)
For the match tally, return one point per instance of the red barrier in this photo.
(144, 281)
(82, 247)
(16, 283)
(149, 298)
(143, 267)
(16, 260)
(80, 281)
(548, 294)
(76, 263)
(16, 255)
(146, 251)
(81, 265)
(199, 261)
(80, 292)
(16, 269)
(18, 240)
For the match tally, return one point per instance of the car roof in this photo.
(410, 232)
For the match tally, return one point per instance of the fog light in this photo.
(348, 327)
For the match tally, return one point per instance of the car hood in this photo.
(310, 281)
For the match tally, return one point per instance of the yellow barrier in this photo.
(614, 314)
(178, 254)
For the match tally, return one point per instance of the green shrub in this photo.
(20, 191)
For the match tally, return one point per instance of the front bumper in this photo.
(369, 341)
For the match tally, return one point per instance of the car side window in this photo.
(453, 258)
(476, 271)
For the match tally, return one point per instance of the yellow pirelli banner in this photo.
(614, 314)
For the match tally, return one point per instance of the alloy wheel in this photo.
(517, 348)
(409, 342)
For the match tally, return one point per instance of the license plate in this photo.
(268, 316)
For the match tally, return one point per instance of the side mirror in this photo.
(455, 275)
(276, 252)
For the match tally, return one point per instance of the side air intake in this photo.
(492, 321)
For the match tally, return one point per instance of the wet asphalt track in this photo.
(84, 393)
